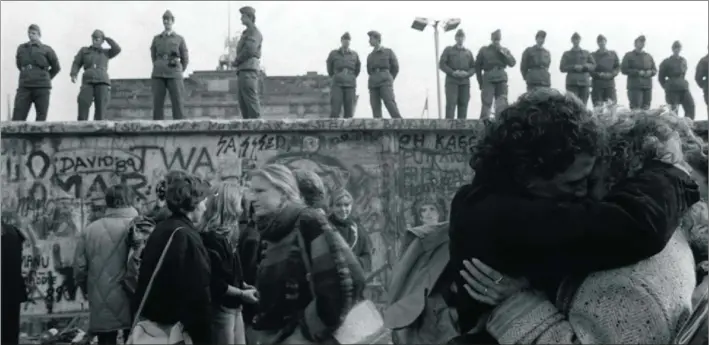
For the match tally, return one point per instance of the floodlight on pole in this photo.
(420, 24)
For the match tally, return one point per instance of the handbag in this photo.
(363, 324)
(149, 332)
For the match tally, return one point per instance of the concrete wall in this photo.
(54, 176)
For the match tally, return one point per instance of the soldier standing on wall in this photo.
(535, 64)
(672, 78)
(38, 65)
(170, 58)
(95, 84)
(247, 63)
(382, 67)
(701, 76)
(640, 67)
(603, 77)
(458, 63)
(490, 67)
(578, 63)
(343, 66)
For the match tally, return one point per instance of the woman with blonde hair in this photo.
(357, 238)
(220, 234)
(308, 279)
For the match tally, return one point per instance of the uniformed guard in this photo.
(640, 67)
(343, 66)
(38, 65)
(382, 67)
(490, 67)
(95, 83)
(458, 63)
(701, 76)
(671, 76)
(170, 58)
(535, 64)
(603, 77)
(248, 65)
(578, 63)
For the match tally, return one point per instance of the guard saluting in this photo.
(38, 65)
(382, 67)
(343, 66)
(95, 84)
(170, 58)
(248, 61)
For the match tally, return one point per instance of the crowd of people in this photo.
(588, 74)
(579, 226)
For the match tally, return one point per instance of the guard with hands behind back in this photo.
(382, 67)
(95, 83)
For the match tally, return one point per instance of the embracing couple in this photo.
(591, 221)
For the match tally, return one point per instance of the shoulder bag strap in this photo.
(306, 258)
(152, 279)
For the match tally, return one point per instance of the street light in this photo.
(420, 24)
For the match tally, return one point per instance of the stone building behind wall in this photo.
(213, 94)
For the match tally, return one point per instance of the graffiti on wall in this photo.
(54, 186)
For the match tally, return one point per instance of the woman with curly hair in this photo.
(532, 167)
(180, 292)
(641, 303)
(220, 233)
(301, 302)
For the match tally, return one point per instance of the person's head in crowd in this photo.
(273, 187)
(140, 229)
(224, 210)
(161, 186)
(428, 211)
(544, 144)
(187, 195)
(341, 204)
(311, 187)
(119, 196)
(634, 137)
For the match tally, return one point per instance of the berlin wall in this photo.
(54, 176)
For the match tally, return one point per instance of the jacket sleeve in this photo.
(443, 62)
(634, 222)
(195, 294)
(479, 64)
(564, 65)
(653, 67)
(590, 65)
(325, 312)
(358, 65)
(510, 59)
(18, 63)
(625, 67)
(114, 49)
(662, 73)
(153, 50)
(471, 64)
(53, 63)
(393, 64)
(252, 40)
(81, 264)
(76, 64)
(365, 250)
(330, 63)
(699, 76)
(218, 284)
(184, 54)
(618, 311)
(616, 65)
(524, 64)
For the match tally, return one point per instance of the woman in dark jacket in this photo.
(181, 290)
(356, 237)
(14, 291)
(220, 235)
(290, 309)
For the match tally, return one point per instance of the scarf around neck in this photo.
(281, 223)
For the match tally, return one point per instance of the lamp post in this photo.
(420, 24)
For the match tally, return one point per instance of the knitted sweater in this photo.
(644, 303)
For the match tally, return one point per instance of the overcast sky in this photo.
(298, 35)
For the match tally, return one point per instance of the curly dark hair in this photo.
(161, 186)
(538, 136)
(184, 193)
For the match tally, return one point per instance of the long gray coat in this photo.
(100, 260)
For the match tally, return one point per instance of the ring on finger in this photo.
(485, 291)
(498, 281)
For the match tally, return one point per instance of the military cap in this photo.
(34, 27)
(496, 35)
(676, 44)
(374, 34)
(576, 36)
(346, 36)
(601, 38)
(248, 10)
(98, 33)
(168, 14)
(541, 33)
(640, 38)
(460, 32)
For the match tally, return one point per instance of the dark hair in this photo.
(184, 193)
(538, 136)
(119, 195)
(161, 186)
